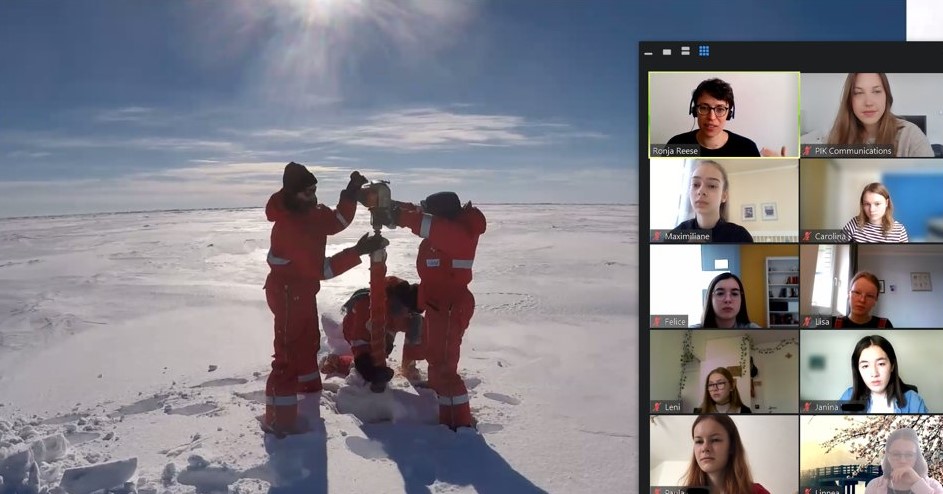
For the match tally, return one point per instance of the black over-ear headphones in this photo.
(693, 112)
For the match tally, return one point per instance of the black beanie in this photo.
(445, 204)
(297, 178)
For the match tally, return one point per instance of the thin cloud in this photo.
(28, 154)
(128, 114)
(429, 129)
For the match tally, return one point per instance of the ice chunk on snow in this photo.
(84, 480)
(50, 448)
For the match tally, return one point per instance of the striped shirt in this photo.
(871, 233)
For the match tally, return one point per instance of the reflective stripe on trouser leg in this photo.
(305, 350)
(295, 325)
(444, 339)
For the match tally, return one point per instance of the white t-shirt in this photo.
(879, 404)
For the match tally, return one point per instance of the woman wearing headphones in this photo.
(712, 105)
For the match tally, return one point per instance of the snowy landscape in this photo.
(134, 349)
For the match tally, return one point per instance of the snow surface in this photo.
(134, 350)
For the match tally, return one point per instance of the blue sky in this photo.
(114, 105)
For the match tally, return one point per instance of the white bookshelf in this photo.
(782, 292)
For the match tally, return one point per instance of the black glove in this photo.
(393, 217)
(364, 365)
(372, 373)
(356, 182)
(368, 244)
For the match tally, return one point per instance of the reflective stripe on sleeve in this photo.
(425, 226)
(281, 401)
(314, 376)
(462, 263)
(451, 401)
(359, 343)
(276, 261)
(341, 220)
(328, 272)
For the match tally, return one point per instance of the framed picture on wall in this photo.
(748, 212)
(768, 211)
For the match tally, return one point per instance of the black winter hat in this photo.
(445, 204)
(297, 178)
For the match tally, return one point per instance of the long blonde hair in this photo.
(888, 220)
(847, 129)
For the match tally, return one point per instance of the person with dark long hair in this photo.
(877, 380)
(719, 460)
(720, 394)
(726, 304)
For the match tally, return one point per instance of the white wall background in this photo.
(766, 106)
(924, 20)
(831, 206)
(893, 264)
(917, 356)
(771, 443)
(914, 94)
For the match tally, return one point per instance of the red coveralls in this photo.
(444, 265)
(360, 335)
(297, 262)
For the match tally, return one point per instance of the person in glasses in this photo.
(712, 104)
(876, 379)
(726, 304)
(861, 299)
(721, 395)
(904, 467)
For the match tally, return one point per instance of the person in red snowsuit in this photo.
(450, 233)
(297, 265)
(369, 351)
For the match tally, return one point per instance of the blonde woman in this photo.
(865, 117)
(875, 221)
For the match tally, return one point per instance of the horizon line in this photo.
(244, 208)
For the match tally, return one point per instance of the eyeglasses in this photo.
(720, 111)
(902, 456)
(866, 296)
(719, 385)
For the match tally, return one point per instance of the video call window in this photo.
(763, 450)
(725, 286)
(856, 109)
(873, 201)
(891, 371)
(791, 214)
(870, 454)
(724, 371)
(871, 285)
(739, 201)
(723, 114)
